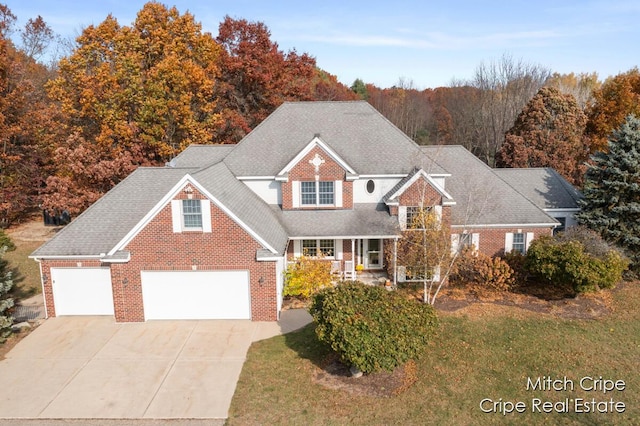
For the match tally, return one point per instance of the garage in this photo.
(196, 295)
(82, 291)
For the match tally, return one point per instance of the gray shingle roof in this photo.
(107, 222)
(244, 203)
(109, 219)
(543, 186)
(363, 220)
(482, 197)
(201, 155)
(359, 134)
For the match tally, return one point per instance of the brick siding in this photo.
(157, 247)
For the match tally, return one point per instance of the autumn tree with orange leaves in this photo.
(549, 132)
(618, 97)
(27, 130)
(131, 95)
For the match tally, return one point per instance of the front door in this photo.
(373, 254)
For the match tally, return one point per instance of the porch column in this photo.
(395, 262)
(353, 253)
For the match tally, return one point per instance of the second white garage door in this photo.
(196, 295)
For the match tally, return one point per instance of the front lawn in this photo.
(483, 351)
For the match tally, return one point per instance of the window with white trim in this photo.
(315, 248)
(465, 241)
(191, 214)
(413, 216)
(519, 243)
(317, 193)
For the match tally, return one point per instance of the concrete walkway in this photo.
(91, 367)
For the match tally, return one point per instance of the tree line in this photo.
(122, 96)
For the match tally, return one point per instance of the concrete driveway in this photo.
(91, 367)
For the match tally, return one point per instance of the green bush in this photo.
(472, 268)
(566, 263)
(6, 302)
(306, 276)
(6, 242)
(370, 327)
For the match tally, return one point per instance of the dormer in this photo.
(418, 190)
(317, 178)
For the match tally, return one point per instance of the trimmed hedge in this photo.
(370, 327)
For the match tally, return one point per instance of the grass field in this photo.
(487, 351)
(26, 274)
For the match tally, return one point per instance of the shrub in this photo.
(372, 328)
(567, 263)
(479, 269)
(6, 242)
(306, 276)
(6, 303)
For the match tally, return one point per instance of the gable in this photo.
(313, 157)
(215, 177)
(418, 189)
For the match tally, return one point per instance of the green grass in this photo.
(26, 273)
(489, 355)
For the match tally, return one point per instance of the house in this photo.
(547, 189)
(209, 235)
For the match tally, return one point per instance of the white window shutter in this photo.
(205, 207)
(176, 215)
(402, 274)
(508, 242)
(529, 239)
(438, 210)
(337, 189)
(297, 248)
(455, 241)
(402, 217)
(475, 240)
(295, 194)
(338, 246)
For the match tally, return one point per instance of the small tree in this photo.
(306, 276)
(424, 250)
(371, 328)
(6, 303)
(611, 204)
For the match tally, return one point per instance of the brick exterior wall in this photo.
(420, 193)
(328, 171)
(157, 247)
(492, 240)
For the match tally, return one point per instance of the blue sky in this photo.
(428, 42)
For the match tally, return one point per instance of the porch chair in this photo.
(336, 271)
(349, 272)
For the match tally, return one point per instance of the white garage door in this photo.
(82, 291)
(196, 295)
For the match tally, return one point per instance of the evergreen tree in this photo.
(612, 191)
(6, 303)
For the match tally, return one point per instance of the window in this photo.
(308, 193)
(325, 193)
(413, 216)
(371, 186)
(313, 248)
(317, 193)
(192, 214)
(519, 244)
(466, 241)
